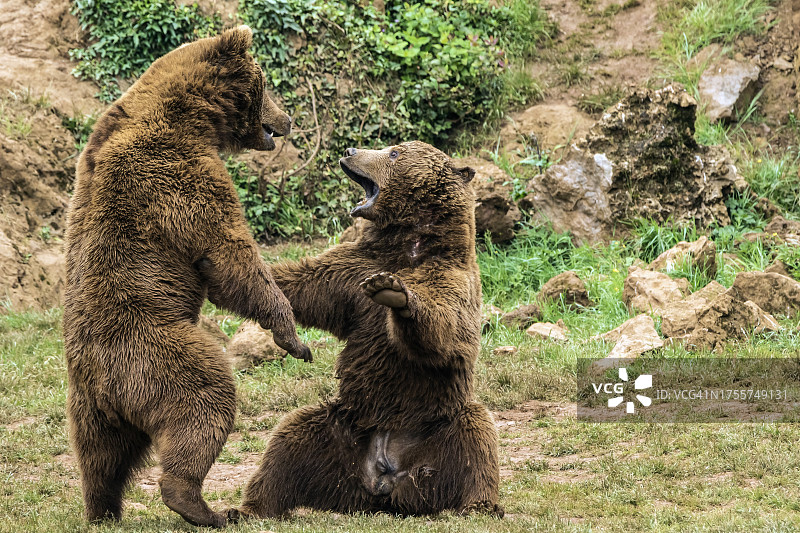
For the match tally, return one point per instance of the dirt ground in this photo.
(519, 443)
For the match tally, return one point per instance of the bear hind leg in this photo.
(187, 452)
(108, 454)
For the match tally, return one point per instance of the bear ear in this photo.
(466, 173)
(236, 41)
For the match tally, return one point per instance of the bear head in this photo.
(213, 86)
(408, 184)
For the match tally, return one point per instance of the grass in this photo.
(693, 25)
(559, 474)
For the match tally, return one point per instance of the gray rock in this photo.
(727, 87)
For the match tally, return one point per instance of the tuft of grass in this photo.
(775, 176)
(652, 239)
(693, 25)
(599, 101)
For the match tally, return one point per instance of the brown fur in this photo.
(153, 200)
(404, 434)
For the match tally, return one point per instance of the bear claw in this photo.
(386, 289)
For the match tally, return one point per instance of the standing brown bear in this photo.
(404, 434)
(152, 201)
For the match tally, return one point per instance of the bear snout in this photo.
(350, 152)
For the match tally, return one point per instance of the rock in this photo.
(779, 267)
(550, 124)
(567, 287)
(646, 291)
(639, 161)
(548, 331)
(251, 345)
(782, 227)
(759, 236)
(782, 64)
(727, 317)
(272, 164)
(679, 318)
(774, 293)
(502, 351)
(490, 315)
(210, 326)
(495, 209)
(354, 232)
(522, 317)
(633, 338)
(702, 253)
(573, 195)
(702, 58)
(727, 86)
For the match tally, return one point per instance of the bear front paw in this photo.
(389, 290)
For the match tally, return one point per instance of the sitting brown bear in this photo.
(152, 202)
(404, 434)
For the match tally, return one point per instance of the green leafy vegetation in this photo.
(127, 36)
(349, 75)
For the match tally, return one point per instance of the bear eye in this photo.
(393, 154)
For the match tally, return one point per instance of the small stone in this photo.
(702, 253)
(211, 326)
(502, 351)
(633, 338)
(547, 331)
(782, 64)
(779, 267)
(522, 317)
(782, 227)
(251, 345)
(569, 288)
(647, 291)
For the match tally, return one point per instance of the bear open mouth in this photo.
(269, 132)
(370, 187)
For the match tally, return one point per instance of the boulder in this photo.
(726, 87)
(779, 267)
(679, 318)
(724, 318)
(548, 331)
(251, 345)
(702, 253)
(633, 338)
(211, 326)
(646, 291)
(782, 227)
(495, 209)
(569, 288)
(502, 351)
(774, 293)
(639, 161)
(522, 317)
(550, 125)
(354, 232)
